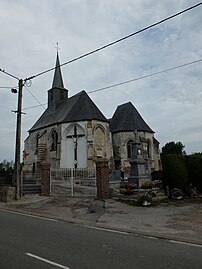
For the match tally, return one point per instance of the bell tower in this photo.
(57, 93)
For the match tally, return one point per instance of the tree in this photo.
(173, 148)
(6, 165)
(196, 154)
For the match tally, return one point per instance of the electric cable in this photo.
(7, 87)
(129, 81)
(145, 76)
(116, 41)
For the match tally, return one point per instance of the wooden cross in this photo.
(75, 137)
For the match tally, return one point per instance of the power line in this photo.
(30, 107)
(116, 41)
(127, 81)
(6, 87)
(111, 86)
(3, 71)
(145, 76)
(42, 105)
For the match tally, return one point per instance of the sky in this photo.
(170, 102)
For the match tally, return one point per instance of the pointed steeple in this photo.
(57, 79)
(57, 94)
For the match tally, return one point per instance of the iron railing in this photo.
(74, 177)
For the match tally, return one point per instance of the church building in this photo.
(73, 133)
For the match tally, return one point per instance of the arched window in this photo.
(37, 141)
(148, 148)
(129, 149)
(99, 141)
(54, 140)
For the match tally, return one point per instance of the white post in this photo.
(72, 183)
(50, 180)
(95, 183)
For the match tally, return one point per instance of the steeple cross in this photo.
(57, 47)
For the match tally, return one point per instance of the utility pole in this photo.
(18, 141)
(17, 172)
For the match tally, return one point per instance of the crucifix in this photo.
(75, 137)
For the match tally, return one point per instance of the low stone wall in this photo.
(7, 193)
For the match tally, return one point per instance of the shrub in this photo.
(175, 173)
(194, 167)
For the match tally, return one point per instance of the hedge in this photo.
(175, 174)
(180, 171)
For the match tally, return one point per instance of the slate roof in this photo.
(76, 108)
(127, 118)
(57, 79)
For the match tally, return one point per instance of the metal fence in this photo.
(80, 180)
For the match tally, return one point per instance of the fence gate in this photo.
(76, 182)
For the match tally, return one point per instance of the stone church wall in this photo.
(96, 143)
(34, 142)
(120, 150)
(102, 141)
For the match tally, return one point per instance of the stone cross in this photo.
(136, 135)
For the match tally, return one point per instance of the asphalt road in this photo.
(36, 243)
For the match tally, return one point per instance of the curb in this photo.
(107, 227)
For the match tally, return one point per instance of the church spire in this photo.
(57, 94)
(57, 79)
